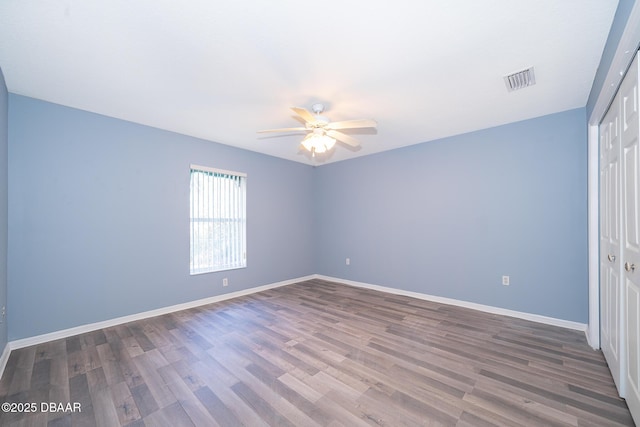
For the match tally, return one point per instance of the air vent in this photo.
(520, 80)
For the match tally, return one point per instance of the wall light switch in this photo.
(347, 261)
(505, 280)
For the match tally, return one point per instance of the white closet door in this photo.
(630, 233)
(611, 306)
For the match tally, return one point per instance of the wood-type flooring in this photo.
(315, 353)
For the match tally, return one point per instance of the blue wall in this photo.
(450, 217)
(98, 218)
(4, 188)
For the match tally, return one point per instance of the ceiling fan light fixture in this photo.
(316, 143)
(322, 133)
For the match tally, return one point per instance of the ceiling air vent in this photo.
(520, 80)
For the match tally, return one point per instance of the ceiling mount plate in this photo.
(317, 108)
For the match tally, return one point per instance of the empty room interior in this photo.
(337, 213)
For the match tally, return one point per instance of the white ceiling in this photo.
(222, 70)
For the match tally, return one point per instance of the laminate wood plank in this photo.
(596, 380)
(79, 393)
(342, 412)
(156, 385)
(23, 370)
(163, 339)
(479, 417)
(132, 346)
(292, 396)
(260, 406)
(271, 402)
(317, 362)
(32, 420)
(198, 413)
(236, 406)
(541, 407)
(326, 383)
(9, 372)
(521, 414)
(173, 415)
(192, 336)
(424, 380)
(192, 347)
(124, 403)
(188, 375)
(189, 402)
(127, 367)
(280, 356)
(96, 379)
(63, 421)
(40, 375)
(312, 353)
(299, 386)
(179, 354)
(318, 353)
(456, 373)
(109, 363)
(103, 407)
(611, 413)
(212, 372)
(141, 339)
(79, 390)
(379, 410)
(144, 400)
(217, 409)
(73, 344)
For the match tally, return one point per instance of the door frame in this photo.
(625, 51)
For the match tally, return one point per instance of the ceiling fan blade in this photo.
(344, 138)
(353, 124)
(282, 130)
(306, 116)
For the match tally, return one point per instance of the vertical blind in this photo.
(217, 220)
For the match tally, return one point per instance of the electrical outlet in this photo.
(505, 280)
(4, 314)
(225, 282)
(347, 261)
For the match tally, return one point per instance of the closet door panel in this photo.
(612, 328)
(630, 137)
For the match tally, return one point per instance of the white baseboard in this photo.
(4, 358)
(486, 308)
(65, 333)
(593, 336)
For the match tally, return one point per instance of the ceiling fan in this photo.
(322, 133)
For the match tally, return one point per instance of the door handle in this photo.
(611, 258)
(629, 267)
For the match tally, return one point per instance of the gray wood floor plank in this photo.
(318, 353)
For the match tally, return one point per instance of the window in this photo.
(218, 220)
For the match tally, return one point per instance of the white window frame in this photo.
(217, 220)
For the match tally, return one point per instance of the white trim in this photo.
(4, 358)
(480, 307)
(627, 47)
(593, 236)
(65, 333)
